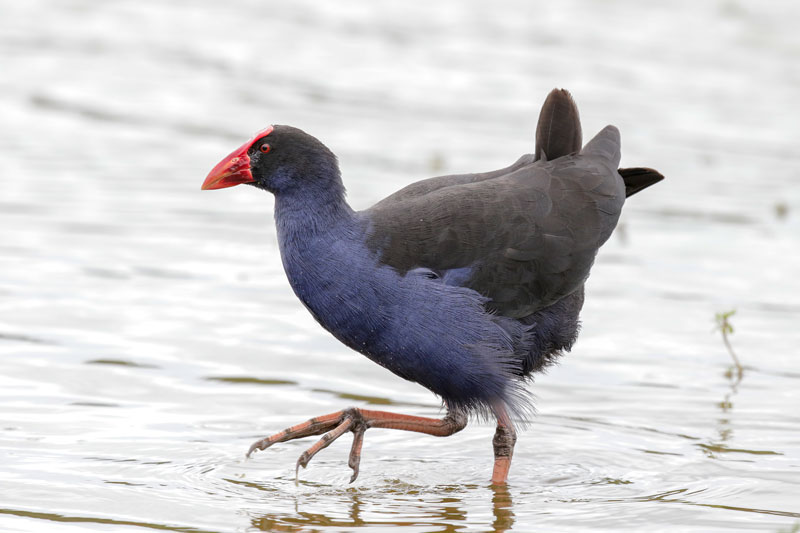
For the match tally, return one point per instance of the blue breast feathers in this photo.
(421, 326)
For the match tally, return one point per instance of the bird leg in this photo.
(504, 439)
(334, 425)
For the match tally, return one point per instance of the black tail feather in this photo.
(639, 178)
(558, 132)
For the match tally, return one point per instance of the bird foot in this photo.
(332, 426)
(357, 421)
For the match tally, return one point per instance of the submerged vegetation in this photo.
(724, 326)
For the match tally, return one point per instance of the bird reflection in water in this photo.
(502, 505)
(448, 513)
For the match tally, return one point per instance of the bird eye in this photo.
(265, 148)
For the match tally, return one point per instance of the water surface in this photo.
(148, 334)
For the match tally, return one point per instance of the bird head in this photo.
(277, 159)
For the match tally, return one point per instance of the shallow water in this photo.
(148, 334)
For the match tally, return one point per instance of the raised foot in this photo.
(357, 421)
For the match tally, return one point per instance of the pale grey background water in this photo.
(148, 335)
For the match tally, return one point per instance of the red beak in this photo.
(233, 170)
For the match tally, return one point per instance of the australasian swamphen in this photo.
(466, 284)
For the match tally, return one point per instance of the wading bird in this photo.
(466, 284)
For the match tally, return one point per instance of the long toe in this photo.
(323, 443)
(355, 451)
(314, 426)
(357, 421)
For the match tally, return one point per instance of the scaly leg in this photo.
(504, 439)
(358, 421)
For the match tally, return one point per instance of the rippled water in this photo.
(148, 334)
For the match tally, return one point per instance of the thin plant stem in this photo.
(724, 325)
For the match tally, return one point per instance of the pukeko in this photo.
(466, 284)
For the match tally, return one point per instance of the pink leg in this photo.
(357, 420)
(504, 439)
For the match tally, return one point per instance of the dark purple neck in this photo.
(314, 202)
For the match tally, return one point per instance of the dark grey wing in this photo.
(558, 133)
(523, 239)
(421, 188)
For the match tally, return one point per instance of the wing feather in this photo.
(524, 237)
